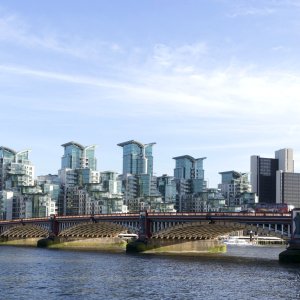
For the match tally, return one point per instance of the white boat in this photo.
(128, 235)
(237, 241)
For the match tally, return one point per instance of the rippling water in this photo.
(241, 273)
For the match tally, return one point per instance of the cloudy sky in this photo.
(213, 78)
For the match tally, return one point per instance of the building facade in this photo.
(270, 177)
(189, 178)
(83, 189)
(137, 158)
(285, 160)
(263, 178)
(234, 186)
(15, 169)
(288, 188)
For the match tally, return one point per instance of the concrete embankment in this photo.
(102, 244)
(24, 242)
(161, 246)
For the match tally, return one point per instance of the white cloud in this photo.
(15, 30)
(260, 8)
(251, 11)
(182, 58)
(218, 93)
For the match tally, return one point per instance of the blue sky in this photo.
(213, 78)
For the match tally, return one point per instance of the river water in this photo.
(251, 272)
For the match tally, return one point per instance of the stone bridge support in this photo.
(292, 253)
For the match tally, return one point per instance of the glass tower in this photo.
(15, 169)
(190, 168)
(137, 158)
(7, 156)
(77, 156)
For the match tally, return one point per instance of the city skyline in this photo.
(216, 79)
(153, 159)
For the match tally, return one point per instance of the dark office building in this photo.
(288, 188)
(263, 178)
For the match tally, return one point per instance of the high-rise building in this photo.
(77, 156)
(269, 179)
(78, 165)
(78, 170)
(285, 160)
(20, 196)
(139, 185)
(288, 188)
(263, 178)
(84, 190)
(189, 178)
(191, 169)
(188, 167)
(137, 158)
(15, 169)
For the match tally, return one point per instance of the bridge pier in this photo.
(172, 246)
(112, 244)
(292, 253)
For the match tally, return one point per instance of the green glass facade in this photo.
(137, 158)
(77, 156)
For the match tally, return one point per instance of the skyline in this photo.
(154, 173)
(214, 78)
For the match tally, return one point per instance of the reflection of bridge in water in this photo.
(149, 226)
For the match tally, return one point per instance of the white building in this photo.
(285, 160)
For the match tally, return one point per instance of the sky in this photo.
(207, 78)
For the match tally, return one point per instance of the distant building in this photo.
(137, 158)
(233, 187)
(139, 185)
(288, 188)
(189, 178)
(167, 188)
(263, 178)
(78, 165)
(16, 174)
(84, 190)
(190, 168)
(211, 200)
(15, 169)
(271, 178)
(285, 160)
(77, 156)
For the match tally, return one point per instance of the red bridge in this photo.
(200, 225)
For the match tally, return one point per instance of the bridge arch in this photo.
(203, 230)
(25, 231)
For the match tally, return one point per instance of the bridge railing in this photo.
(150, 214)
(44, 219)
(238, 214)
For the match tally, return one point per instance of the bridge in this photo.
(149, 225)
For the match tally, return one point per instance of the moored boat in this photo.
(237, 241)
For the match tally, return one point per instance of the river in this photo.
(251, 272)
